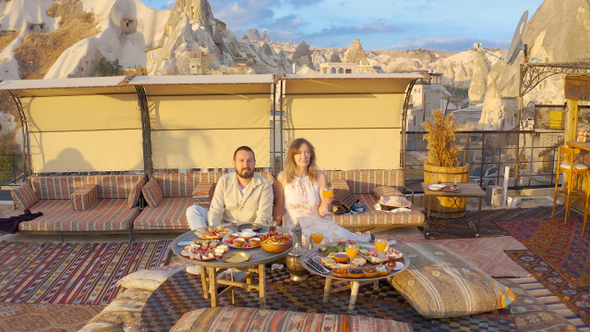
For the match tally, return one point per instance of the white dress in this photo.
(302, 199)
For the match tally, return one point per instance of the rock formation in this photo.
(558, 31)
(355, 53)
(302, 56)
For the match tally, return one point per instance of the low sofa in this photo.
(365, 184)
(179, 191)
(80, 204)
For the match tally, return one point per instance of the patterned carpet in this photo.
(182, 293)
(576, 298)
(22, 317)
(486, 253)
(559, 244)
(488, 226)
(71, 273)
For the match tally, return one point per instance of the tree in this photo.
(108, 68)
(10, 158)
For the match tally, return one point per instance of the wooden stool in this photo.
(570, 194)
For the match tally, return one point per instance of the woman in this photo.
(298, 190)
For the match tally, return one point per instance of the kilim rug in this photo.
(576, 298)
(182, 293)
(559, 244)
(71, 273)
(486, 253)
(25, 317)
(488, 227)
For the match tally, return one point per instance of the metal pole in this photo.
(517, 163)
(25, 133)
(274, 129)
(146, 131)
(282, 119)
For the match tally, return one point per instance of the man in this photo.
(243, 196)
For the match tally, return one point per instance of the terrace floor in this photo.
(400, 234)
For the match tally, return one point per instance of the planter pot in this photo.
(433, 174)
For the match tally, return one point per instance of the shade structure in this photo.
(198, 121)
(181, 122)
(353, 121)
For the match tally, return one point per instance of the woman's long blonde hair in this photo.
(291, 168)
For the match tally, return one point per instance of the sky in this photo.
(451, 25)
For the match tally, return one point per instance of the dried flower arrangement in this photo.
(440, 137)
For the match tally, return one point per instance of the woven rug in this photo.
(183, 293)
(71, 273)
(24, 317)
(486, 253)
(488, 226)
(576, 298)
(559, 244)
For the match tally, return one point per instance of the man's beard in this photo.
(245, 173)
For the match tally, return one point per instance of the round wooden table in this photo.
(210, 269)
(354, 283)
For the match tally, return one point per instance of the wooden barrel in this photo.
(433, 174)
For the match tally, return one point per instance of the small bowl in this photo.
(232, 236)
(246, 236)
(239, 242)
(254, 241)
(341, 257)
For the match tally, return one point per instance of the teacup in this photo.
(254, 241)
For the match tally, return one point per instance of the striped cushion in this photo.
(59, 216)
(363, 181)
(84, 197)
(24, 197)
(61, 187)
(135, 192)
(440, 284)
(203, 193)
(372, 217)
(386, 191)
(170, 214)
(183, 184)
(152, 193)
(340, 184)
(257, 320)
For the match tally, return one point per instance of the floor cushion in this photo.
(440, 284)
(257, 320)
(150, 279)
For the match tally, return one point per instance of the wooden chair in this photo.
(570, 193)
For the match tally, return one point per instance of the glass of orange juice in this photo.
(352, 249)
(380, 243)
(328, 192)
(317, 237)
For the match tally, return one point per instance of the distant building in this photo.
(427, 95)
(37, 27)
(152, 55)
(348, 68)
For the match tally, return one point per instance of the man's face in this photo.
(244, 164)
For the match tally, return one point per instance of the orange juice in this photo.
(380, 245)
(317, 237)
(328, 193)
(352, 251)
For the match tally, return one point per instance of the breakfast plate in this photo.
(436, 187)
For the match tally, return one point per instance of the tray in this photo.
(246, 244)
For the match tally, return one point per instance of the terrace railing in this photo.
(484, 150)
(11, 169)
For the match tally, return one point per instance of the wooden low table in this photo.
(354, 283)
(210, 269)
(466, 190)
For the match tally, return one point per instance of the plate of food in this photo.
(277, 242)
(235, 257)
(203, 250)
(212, 233)
(436, 187)
(234, 241)
(373, 255)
